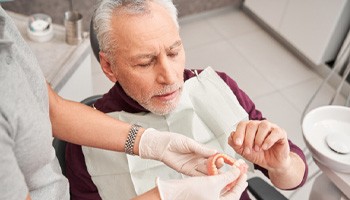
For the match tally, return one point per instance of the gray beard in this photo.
(161, 112)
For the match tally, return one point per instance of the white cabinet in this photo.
(270, 11)
(316, 28)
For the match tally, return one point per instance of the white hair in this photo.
(106, 8)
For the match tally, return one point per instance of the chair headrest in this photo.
(94, 42)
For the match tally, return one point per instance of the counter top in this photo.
(57, 59)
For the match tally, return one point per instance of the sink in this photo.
(326, 131)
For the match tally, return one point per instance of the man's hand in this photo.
(262, 143)
(177, 151)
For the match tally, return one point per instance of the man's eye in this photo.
(147, 64)
(144, 65)
(172, 55)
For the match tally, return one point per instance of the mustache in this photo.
(169, 88)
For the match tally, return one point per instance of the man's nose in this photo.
(166, 72)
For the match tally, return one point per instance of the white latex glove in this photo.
(177, 151)
(237, 190)
(203, 187)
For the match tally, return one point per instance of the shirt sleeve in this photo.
(12, 182)
(255, 114)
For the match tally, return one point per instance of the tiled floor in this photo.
(279, 84)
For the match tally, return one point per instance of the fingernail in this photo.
(238, 141)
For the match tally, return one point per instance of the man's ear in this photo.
(107, 67)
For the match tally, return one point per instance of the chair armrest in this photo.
(261, 190)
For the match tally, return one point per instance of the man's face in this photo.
(149, 59)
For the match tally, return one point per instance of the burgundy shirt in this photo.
(81, 184)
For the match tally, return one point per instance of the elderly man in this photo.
(142, 52)
(31, 113)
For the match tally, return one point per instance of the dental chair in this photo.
(260, 189)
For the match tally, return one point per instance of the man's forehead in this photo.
(144, 53)
(146, 35)
(140, 33)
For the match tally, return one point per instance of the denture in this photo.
(213, 170)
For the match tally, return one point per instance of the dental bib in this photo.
(208, 119)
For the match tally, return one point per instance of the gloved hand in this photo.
(237, 190)
(204, 187)
(177, 151)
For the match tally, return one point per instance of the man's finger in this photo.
(263, 131)
(249, 138)
(238, 135)
(271, 139)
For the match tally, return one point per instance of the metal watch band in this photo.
(130, 141)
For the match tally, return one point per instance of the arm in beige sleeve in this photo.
(80, 124)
